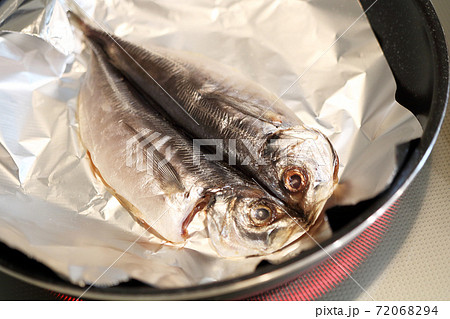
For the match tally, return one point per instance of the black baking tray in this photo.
(413, 42)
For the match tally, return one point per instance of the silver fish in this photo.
(211, 101)
(149, 166)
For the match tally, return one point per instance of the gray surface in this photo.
(13, 289)
(412, 261)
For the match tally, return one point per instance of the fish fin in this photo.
(249, 108)
(135, 214)
(79, 19)
(91, 29)
(157, 163)
(166, 172)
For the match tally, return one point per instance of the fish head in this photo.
(249, 222)
(306, 166)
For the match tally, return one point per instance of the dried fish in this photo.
(152, 170)
(259, 133)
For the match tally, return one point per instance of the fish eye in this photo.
(295, 179)
(261, 215)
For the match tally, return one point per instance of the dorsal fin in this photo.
(244, 106)
(145, 145)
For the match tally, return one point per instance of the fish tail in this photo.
(81, 22)
(78, 22)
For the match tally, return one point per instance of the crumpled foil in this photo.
(324, 65)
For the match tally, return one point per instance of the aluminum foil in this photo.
(320, 56)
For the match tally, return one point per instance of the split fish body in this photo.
(153, 171)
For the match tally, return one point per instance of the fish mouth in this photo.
(201, 204)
